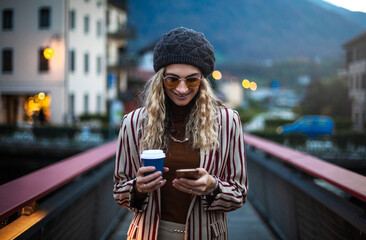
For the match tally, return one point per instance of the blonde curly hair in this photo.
(202, 125)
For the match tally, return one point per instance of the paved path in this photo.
(244, 224)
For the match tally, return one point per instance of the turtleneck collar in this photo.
(179, 113)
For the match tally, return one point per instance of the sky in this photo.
(353, 5)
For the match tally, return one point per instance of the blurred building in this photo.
(138, 76)
(87, 39)
(233, 92)
(356, 75)
(118, 60)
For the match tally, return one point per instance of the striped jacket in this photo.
(205, 219)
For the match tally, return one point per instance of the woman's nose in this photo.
(182, 87)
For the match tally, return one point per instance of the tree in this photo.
(314, 99)
(329, 98)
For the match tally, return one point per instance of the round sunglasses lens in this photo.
(193, 82)
(174, 82)
(171, 81)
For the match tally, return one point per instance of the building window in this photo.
(107, 17)
(86, 103)
(7, 19)
(99, 28)
(349, 56)
(86, 24)
(72, 19)
(363, 81)
(349, 81)
(43, 62)
(354, 54)
(72, 61)
(99, 103)
(72, 106)
(86, 62)
(44, 17)
(7, 60)
(99, 65)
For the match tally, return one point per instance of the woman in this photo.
(182, 116)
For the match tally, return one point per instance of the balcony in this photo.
(122, 62)
(122, 32)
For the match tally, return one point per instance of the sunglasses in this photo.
(173, 81)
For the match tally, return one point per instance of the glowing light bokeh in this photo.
(41, 95)
(253, 86)
(48, 53)
(37, 102)
(245, 83)
(217, 75)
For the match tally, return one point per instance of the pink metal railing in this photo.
(29, 188)
(348, 181)
(23, 191)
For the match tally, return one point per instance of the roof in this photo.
(122, 4)
(354, 40)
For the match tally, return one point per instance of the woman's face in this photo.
(182, 94)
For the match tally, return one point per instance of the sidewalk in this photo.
(243, 223)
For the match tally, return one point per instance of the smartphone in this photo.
(190, 173)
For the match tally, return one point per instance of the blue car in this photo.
(310, 125)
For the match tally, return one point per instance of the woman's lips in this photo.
(181, 97)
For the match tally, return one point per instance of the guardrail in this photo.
(347, 150)
(27, 189)
(73, 197)
(348, 181)
(60, 193)
(302, 197)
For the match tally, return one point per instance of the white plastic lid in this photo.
(152, 154)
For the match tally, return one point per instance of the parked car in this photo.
(311, 125)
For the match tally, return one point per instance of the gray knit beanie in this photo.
(182, 45)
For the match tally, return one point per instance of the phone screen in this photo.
(187, 173)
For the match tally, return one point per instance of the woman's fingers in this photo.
(153, 183)
(183, 185)
(151, 177)
(143, 170)
(150, 182)
(158, 185)
(198, 186)
(185, 188)
(152, 186)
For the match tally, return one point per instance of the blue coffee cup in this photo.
(153, 157)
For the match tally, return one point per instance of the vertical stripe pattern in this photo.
(205, 219)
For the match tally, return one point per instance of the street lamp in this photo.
(48, 53)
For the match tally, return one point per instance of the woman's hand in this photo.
(204, 183)
(149, 183)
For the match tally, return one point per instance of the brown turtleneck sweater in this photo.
(174, 203)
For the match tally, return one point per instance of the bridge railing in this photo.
(71, 198)
(303, 197)
(298, 195)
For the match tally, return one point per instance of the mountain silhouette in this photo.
(357, 17)
(245, 30)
